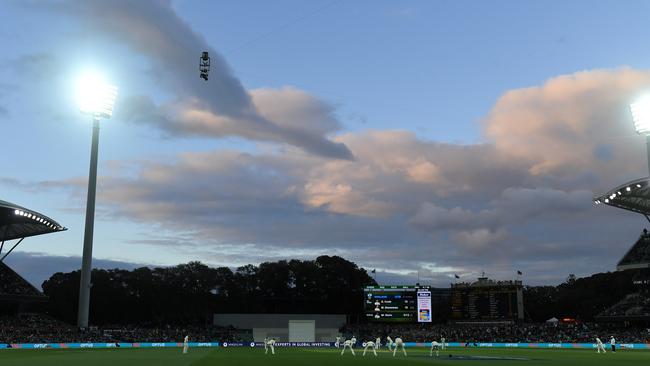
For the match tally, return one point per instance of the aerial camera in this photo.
(204, 65)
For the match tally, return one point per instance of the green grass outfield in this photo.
(315, 357)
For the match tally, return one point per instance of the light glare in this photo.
(95, 96)
(641, 115)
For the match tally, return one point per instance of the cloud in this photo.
(521, 199)
(217, 108)
(515, 205)
(38, 267)
(561, 126)
(404, 202)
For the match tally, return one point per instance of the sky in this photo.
(422, 139)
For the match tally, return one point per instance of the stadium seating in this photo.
(632, 306)
(11, 283)
(638, 256)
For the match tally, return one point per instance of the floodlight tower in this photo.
(97, 99)
(641, 117)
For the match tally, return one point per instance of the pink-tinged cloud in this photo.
(560, 128)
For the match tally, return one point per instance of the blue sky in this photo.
(408, 136)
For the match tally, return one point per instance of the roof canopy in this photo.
(632, 196)
(18, 222)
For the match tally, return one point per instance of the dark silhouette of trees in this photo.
(190, 293)
(578, 298)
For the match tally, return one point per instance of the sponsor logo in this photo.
(157, 345)
(41, 345)
(86, 345)
(304, 344)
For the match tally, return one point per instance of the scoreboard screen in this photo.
(398, 304)
(488, 303)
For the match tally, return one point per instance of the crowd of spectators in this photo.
(40, 328)
(500, 333)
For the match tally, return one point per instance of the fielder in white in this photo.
(389, 343)
(378, 343)
(435, 345)
(269, 343)
(186, 345)
(369, 344)
(599, 345)
(348, 344)
(338, 342)
(399, 342)
(612, 343)
(442, 343)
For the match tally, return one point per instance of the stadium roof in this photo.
(632, 196)
(17, 222)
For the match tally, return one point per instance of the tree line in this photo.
(190, 293)
(578, 298)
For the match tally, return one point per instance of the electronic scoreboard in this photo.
(399, 304)
(501, 301)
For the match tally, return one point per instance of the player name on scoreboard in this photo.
(407, 304)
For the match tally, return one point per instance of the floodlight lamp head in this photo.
(95, 96)
(641, 115)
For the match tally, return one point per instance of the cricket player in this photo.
(269, 343)
(348, 344)
(399, 342)
(369, 344)
(186, 345)
(442, 343)
(435, 345)
(612, 342)
(599, 345)
(338, 342)
(389, 343)
(378, 343)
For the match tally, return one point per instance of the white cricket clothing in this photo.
(399, 342)
(371, 345)
(186, 346)
(348, 344)
(435, 345)
(269, 343)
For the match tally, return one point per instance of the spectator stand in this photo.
(16, 224)
(632, 196)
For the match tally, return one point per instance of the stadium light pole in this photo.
(641, 117)
(95, 98)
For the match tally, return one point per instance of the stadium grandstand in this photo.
(17, 223)
(638, 256)
(635, 307)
